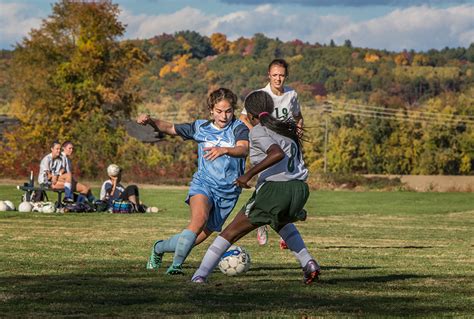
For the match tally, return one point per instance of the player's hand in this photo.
(211, 153)
(54, 180)
(242, 181)
(143, 119)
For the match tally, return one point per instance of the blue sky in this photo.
(382, 24)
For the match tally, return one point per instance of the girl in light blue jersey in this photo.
(222, 148)
(281, 191)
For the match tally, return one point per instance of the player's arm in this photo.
(240, 149)
(108, 189)
(296, 111)
(158, 125)
(274, 155)
(299, 120)
(49, 175)
(245, 119)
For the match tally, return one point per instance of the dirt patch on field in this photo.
(419, 183)
(435, 183)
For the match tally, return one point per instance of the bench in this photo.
(30, 187)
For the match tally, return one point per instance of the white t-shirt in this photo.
(105, 189)
(291, 167)
(286, 105)
(48, 164)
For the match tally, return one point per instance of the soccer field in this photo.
(382, 255)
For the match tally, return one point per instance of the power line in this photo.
(396, 114)
(403, 117)
(384, 109)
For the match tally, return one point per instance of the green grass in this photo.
(382, 255)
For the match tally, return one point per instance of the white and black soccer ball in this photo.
(48, 208)
(113, 170)
(235, 261)
(25, 207)
(10, 205)
(3, 206)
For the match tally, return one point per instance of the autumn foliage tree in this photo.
(71, 70)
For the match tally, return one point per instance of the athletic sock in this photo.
(91, 198)
(212, 257)
(183, 246)
(67, 190)
(168, 245)
(295, 243)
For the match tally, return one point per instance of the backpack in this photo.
(39, 196)
(122, 207)
(78, 208)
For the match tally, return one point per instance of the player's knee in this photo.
(197, 223)
(230, 235)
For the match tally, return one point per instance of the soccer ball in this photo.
(3, 206)
(48, 207)
(10, 205)
(235, 261)
(113, 170)
(25, 207)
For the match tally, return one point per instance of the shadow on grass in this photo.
(297, 268)
(378, 247)
(128, 292)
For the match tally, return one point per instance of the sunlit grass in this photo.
(382, 254)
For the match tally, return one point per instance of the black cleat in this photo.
(311, 272)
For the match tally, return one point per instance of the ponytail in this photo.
(260, 104)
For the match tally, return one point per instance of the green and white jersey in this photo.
(291, 167)
(48, 164)
(286, 105)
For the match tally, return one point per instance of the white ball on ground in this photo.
(48, 208)
(10, 205)
(113, 170)
(235, 261)
(154, 209)
(3, 206)
(25, 207)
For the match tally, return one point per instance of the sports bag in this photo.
(78, 208)
(122, 207)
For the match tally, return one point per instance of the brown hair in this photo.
(279, 62)
(222, 94)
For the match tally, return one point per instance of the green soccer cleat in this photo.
(155, 259)
(175, 270)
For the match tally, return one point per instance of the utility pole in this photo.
(327, 109)
(326, 146)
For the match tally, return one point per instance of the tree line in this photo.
(74, 77)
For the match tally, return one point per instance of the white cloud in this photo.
(17, 20)
(417, 27)
(146, 26)
(420, 28)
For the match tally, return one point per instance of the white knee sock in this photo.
(212, 257)
(292, 237)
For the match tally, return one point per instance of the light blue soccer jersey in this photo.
(220, 173)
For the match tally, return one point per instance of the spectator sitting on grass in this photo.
(112, 190)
